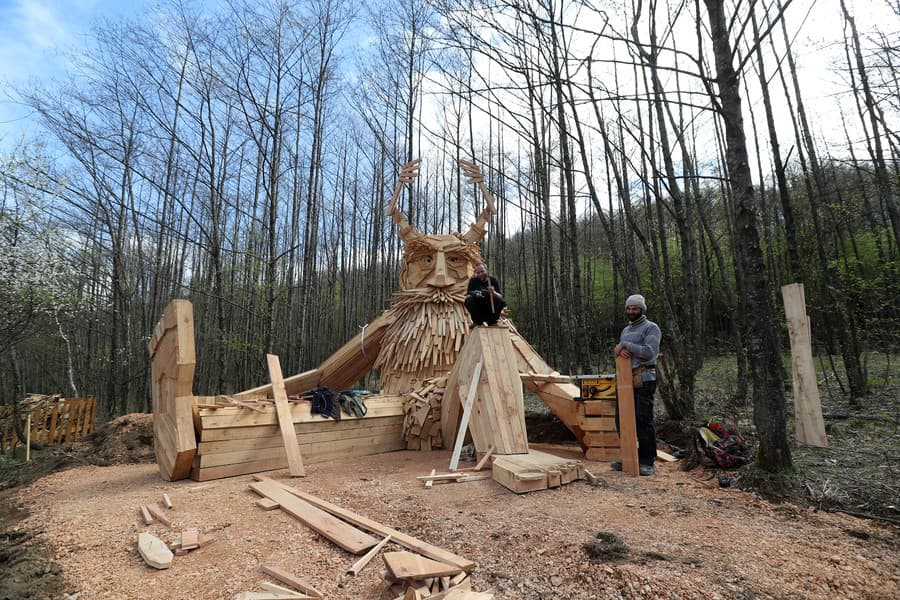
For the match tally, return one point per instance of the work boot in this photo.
(646, 470)
(615, 465)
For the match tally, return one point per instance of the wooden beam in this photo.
(362, 562)
(285, 422)
(406, 565)
(346, 536)
(627, 427)
(467, 412)
(298, 583)
(407, 541)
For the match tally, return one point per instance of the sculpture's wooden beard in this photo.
(429, 330)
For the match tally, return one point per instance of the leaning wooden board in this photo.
(285, 423)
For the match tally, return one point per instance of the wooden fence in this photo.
(61, 421)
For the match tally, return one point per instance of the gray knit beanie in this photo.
(636, 300)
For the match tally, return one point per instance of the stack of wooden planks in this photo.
(422, 424)
(239, 440)
(410, 576)
(535, 471)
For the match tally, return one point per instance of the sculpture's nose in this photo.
(439, 276)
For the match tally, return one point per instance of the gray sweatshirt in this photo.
(642, 338)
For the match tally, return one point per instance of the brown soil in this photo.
(674, 535)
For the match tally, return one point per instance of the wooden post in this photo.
(285, 421)
(807, 404)
(467, 411)
(28, 439)
(627, 428)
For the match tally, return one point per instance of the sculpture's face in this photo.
(437, 261)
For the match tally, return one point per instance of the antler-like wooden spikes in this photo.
(477, 230)
(408, 174)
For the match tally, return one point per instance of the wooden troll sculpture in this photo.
(419, 337)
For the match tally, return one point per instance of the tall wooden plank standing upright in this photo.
(627, 427)
(807, 403)
(285, 422)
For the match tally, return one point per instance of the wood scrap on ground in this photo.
(298, 583)
(158, 515)
(457, 477)
(167, 501)
(417, 584)
(267, 504)
(154, 551)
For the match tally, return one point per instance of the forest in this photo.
(241, 158)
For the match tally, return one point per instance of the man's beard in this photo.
(633, 318)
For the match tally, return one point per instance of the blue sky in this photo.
(34, 36)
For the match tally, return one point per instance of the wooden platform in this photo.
(535, 471)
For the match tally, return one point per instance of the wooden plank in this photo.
(430, 483)
(335, 450)
(267, 504)
(298, 583)
(603, 454)
(190, 539)
(167, 501)
(467, 412)
(484, 459)
(285, 592)
(346, 536)
(599, 408)
(317, 448)
(808, 406)
(406, 565)
(665, 456)
(301, 412)
(292, 449)
(323, 434)
(154, 552)
(407, 541)
(362, 562)
(596, 423)
(158, 514)
(146, 516)
(627, 426)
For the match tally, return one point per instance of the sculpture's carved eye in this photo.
(427, 260)
(454, 260)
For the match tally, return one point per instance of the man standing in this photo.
(640, 343)
(483, 299)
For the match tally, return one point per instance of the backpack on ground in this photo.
(722, 443)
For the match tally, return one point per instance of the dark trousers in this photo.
(643, 418)
(479, 307)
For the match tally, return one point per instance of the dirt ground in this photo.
(674, 535)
